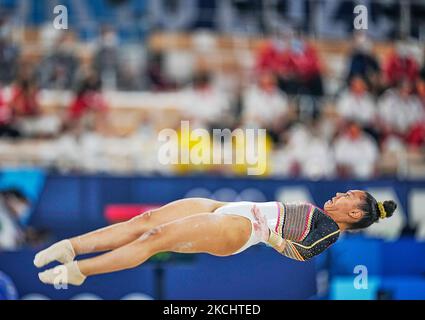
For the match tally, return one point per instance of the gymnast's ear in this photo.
(356, 214)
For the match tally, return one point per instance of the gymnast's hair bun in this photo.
(389, 206)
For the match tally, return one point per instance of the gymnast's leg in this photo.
(217, 234)
(117, 235)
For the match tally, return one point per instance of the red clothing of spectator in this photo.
(397, 68)
(416, 136)
(273, 59)
(306, 63)
(301, 62)
(5, 111)
(85, 102)
(25, 101)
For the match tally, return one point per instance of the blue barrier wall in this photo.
(396, 267)
(257, 273)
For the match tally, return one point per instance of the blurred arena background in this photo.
(81, 109)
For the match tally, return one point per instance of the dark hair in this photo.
(15, 193)
(371, 211)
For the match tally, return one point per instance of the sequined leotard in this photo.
(303, 229)
(306, 230)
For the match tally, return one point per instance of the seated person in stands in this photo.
(363, 62)
(30, 120)
(14, 234)
(400, 65)
(88, 97)
(296, 62)
(25, 97)
(7, 129)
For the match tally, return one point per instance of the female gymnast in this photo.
(298, 231)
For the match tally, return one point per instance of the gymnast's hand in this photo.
(260, 225)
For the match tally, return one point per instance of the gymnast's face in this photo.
(344, 207)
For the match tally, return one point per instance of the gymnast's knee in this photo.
(152, 234)
(141, 219)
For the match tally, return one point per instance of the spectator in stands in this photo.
(57, 71)
(157, 80)
(393, 158)
(295, 61)
(24, 100)
(306, 64)
(363, 62)
(399, 110)
(416, 135)
(356, 153)
(206, 105)
(7, 128)
(318, 161)
(9, 55)
(88, 96)
(274, 57)
(286, 159)
(106, 62)
(28, 115)
(264, 104)
(356, 103)
(129, 78)
(12, 204)
(400, 65)
(14, 233)
(305, 153)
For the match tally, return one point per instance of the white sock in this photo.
(64, 274)
(61, 251)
